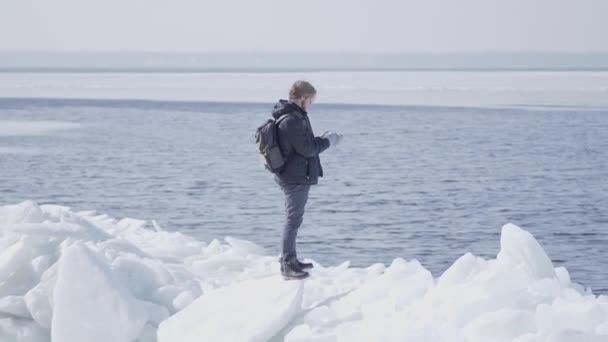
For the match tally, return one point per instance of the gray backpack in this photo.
(267, 139)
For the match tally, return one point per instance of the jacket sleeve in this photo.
(303, 142)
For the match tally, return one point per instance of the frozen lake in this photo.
(432, 176)
(424, 88)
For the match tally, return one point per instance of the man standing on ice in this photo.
(302, 168)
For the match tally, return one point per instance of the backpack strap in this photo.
(276, 127)
(281, 118)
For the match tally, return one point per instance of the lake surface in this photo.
(423, 182)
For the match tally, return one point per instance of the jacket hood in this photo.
(285, 106)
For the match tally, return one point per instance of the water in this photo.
(430, 183)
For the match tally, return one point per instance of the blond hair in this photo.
(301, 89)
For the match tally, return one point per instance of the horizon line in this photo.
(262, 51)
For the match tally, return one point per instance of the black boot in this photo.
(305, 265)
(291, 270)
(301, 265)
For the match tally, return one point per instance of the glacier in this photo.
(71, 276)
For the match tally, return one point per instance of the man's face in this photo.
(308, 102)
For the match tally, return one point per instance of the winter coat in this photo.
(299, 145)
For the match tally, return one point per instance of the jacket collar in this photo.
(297, 108)
(285, 106)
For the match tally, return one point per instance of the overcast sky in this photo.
(311, 25)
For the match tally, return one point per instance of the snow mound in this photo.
(70, 276)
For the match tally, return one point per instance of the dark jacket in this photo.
(299, 145)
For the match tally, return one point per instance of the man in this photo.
(302, 168)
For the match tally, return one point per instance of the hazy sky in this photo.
(311, 25)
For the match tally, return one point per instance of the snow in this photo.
(70, 275)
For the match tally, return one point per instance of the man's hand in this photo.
(334, 138)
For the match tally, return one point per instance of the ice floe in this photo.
(72, 276)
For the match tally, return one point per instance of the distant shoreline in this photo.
(272, 62)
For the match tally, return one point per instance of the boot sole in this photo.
(303, 268)
(295, 278)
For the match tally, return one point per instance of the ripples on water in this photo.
(413, 182)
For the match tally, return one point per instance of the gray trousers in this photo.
(296, 196)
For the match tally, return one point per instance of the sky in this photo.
(311, 25)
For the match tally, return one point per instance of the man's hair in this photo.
(301, 89)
